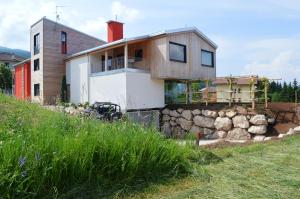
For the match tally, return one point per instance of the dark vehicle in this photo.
(108, 111)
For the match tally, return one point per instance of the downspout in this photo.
(88, 76)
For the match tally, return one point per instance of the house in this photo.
(22, 80)
(50, 44)
(242, 88)
(132, 71)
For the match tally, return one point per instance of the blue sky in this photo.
(254, 37)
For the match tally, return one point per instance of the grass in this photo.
(48, 154)
(269, 170)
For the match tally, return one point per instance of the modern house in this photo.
(241, 89)
(50, 44)
(131, 72)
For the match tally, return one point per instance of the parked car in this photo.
(108, 111)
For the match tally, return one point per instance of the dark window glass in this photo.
(36, 89)
(177, 52)
(36, 64)
(63, 42)
(36, 44)
(207, 58)
(138, 55)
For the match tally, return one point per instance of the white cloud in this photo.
(95, 27)
(16, 16)
(275, 58)
(125, 13)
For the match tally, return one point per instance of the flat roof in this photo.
(165, 32)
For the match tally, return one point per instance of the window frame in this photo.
(34, 90)
(212, 58)
(64, 49)
(36, 44)
(34, 66)
(185, 53)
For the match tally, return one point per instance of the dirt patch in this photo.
(283, 128)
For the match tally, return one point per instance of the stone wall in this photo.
(237, 123)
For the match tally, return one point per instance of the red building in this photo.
(22, 78)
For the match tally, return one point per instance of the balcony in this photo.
(121, 57)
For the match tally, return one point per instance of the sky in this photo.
(253, 36)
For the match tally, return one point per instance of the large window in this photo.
(36, 89)
(207, 58)
(138, 55)
(177, 52)
(36, 44)
(36, 64)
(63, 42)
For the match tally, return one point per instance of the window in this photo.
(36, 89)
(207, 58)
(138, 55)
(36, 64)
(63, 42)
(36, 44)
(177, 52)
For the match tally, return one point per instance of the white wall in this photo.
(109, 88)
(144, 92)
(78, 76)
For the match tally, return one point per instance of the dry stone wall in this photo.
(237, 123)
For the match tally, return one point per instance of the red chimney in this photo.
(114, 31)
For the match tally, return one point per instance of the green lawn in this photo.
(269, 170)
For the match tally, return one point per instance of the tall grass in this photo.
(43, 153)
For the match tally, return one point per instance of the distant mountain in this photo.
(18, 52)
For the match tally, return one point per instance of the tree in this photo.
(5, 78)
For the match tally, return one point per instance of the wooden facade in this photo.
(52, 65)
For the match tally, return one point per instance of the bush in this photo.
(43, 153)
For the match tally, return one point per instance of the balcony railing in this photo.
(118, 63)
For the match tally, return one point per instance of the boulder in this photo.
(196, 112)
(222, 114)
(185, 124)
(180, 110)
(240, 121)
(230, 113)
(174, 113)
(259, 138)
(268, 138)
(238, 134)
(166, 111)
(180, 133)
(173, 123)
(166, 129)
(241, 110)
(211, 136)
(204, 121)
(291, 131)
(221, 134)
(271, 121)
(261, 129)
(173, 118)
(259, 120)
(207, 131)
(223, 123)
(166, 118)
(209, 113)
(297, 130)
(196, 129)
(187, 114)
(282, 135)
